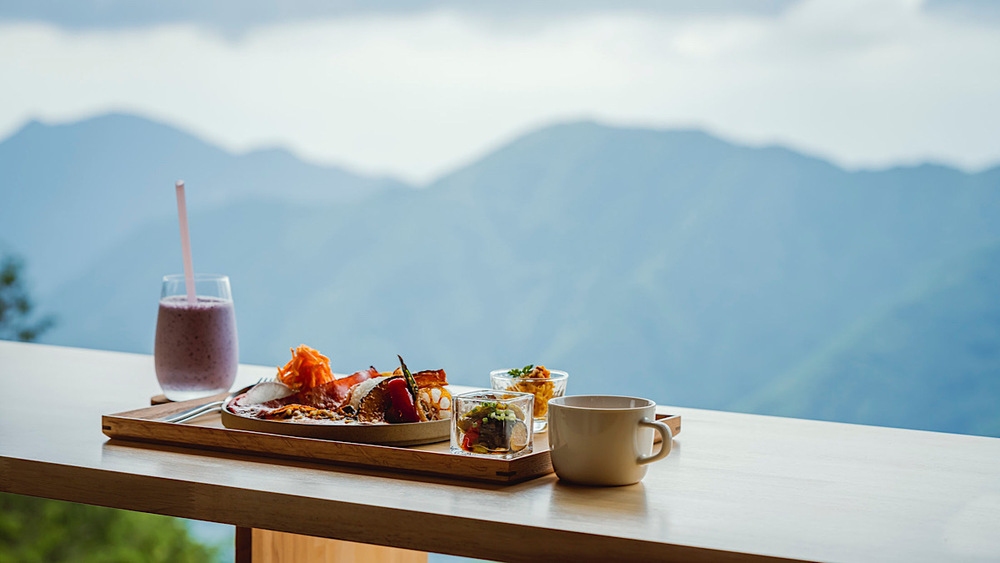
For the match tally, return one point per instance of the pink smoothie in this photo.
(196, 349)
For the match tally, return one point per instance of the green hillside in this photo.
(932, 362)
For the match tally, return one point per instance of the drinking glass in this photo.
(492, 424)
(543, 388)
(196, 350)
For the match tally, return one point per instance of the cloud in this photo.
(237, 16)
(979, 11)
(865, 83)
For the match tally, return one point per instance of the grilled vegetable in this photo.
(414, 392)
(402, 407)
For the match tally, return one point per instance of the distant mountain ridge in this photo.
(765, 233)
(668, 264)
(931, 362)
(95, 180)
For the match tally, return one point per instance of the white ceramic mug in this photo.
(604, 439)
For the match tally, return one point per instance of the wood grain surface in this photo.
(280, 547)
(736, 487)
(432, 459)
(208, 432)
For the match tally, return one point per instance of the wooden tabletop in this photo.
(735, 487)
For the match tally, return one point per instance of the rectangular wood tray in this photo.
(207, 432)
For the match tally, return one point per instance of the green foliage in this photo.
(16, 321)
(523, 372)
(34, 529)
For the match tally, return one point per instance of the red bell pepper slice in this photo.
(403, 407)
(471, 438)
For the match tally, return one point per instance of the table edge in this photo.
(251, 508)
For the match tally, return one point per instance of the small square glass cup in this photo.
(492, 424)
(543, 388)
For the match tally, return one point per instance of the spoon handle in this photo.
(184, 416)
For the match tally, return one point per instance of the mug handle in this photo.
(668, 440)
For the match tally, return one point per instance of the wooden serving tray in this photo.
(207, 432)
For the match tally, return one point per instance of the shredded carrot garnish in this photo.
(307, 369)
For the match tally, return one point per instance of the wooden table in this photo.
(735, 487)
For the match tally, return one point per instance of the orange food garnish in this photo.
(534, 381)
(307, 369)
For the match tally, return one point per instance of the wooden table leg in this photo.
(244, 545)
(265, 546)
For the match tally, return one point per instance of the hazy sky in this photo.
(863, 82)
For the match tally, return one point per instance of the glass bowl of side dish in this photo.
(492, 424)
(543, 383)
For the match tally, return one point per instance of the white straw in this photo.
(185, 243)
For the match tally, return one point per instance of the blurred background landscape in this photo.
(666, 263)
(787, 208)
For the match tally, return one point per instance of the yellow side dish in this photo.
(537, 382)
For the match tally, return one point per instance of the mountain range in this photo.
(664, 263)
(73, 191)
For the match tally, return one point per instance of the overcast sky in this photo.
(866, 83)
